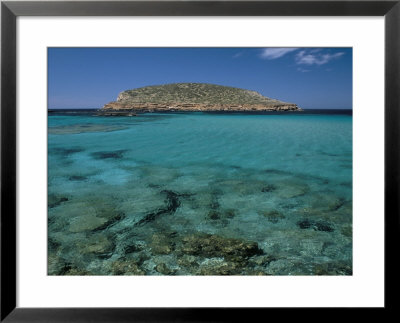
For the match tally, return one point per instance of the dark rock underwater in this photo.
(200, 195)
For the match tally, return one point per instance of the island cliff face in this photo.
(193, 97)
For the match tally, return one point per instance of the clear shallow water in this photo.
(200, 194)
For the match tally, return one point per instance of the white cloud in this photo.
(274, 53)
(315, 58)
(303, 70)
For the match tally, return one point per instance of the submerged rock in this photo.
(77, 272)
(55, 265)
(164, 269)
(159, 176)
(262, 260)
(77, 178)
(86, 222)
(290, 189)
(311, 247)
(272, 215)
(65, 152)
(268, 188)
(161, 244)
(316, 225)
(58, 267)
(116, 154)
(213, 215)
(347, 231)
(55, 200)
(288, 267)
(305, 224)
(229, 213)
(172, 203)
(209, 245)
(74, 217)
(220, 214)
(172, 200)
(98, 244)
(91, 214)
(333, 268)
(189, 261)
(126, 267)
(327, 201)
(133, 247)
(219, 267)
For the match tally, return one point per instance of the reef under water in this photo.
(200, 194)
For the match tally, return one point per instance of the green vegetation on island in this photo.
(194, 97)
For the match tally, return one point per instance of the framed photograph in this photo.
(178, 160)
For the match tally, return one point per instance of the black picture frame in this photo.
(10, 10)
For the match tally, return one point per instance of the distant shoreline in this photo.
(98, 112)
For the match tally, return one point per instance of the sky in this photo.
(313, 78)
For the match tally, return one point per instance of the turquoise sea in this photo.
(200, 194)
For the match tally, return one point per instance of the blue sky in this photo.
(313, 78)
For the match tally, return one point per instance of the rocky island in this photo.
(191, 97)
